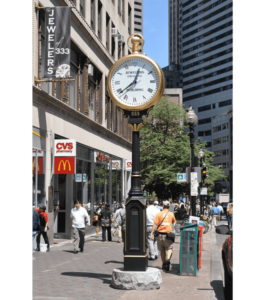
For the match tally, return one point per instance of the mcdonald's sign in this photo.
(39, 165)
(64, 165)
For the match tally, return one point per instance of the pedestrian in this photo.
(43, 227)
(115, 217)
(230, 215)
(77, 223)
(123, 204)
(163, 224)
(106, 219)
(36, 227)
(215, 213)
(221, 211)
(97, 223)
(181, 213)
(197, 209)
(157, 206)
(151, 213)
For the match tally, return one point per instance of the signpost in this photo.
(181, 177)
(204, 191)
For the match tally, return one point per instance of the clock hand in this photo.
(137, 75)
(127, 87)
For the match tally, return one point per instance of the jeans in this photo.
(152, 245)
(230, 219)
(33, 240)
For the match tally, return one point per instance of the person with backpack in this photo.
(106, 219)
(36, 227)
(43, 227)
(120, 220)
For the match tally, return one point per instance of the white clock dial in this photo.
(134, 82)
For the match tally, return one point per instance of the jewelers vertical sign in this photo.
(57, 42)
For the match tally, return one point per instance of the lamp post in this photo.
(192, 120)
(200, 157)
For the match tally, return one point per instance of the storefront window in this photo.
(38, 177)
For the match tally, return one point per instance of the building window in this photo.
(99, 20)
(92, 16)
(139, 17)
(217, 128)
(214, 106)
(138, 3)
(208, 145)
(81, 6)
(113, 44)
(208, 132)
(129, 18)
(137, 23)
(137, 9)
(204, 121)
(139, 30)
(204, 108)
(225, 126)
(225, 103)
(201, 133)
(107, 31)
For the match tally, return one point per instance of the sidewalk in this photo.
(61, 273)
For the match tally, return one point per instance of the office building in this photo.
(201, 41)
(81, 110)
(172, 76)
(174, 32)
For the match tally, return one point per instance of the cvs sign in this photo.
(64, 148)
(64, 165)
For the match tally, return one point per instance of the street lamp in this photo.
(201, 156)
(192, 120)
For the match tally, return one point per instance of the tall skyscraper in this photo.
(174, 32)
(201, 42)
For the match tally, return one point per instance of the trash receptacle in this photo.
(188, 249)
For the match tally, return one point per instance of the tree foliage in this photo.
(165, 151)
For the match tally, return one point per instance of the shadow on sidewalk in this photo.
(89, 275)
(69, 251)
(114, 262)
(218, 289)
(174, 269)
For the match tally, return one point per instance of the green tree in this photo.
(165, 151)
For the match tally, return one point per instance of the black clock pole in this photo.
(135, 256)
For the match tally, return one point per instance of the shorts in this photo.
(163, 244)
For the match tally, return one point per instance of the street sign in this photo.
(193, 177)
(181, 177)
(194, 189)
(204, 191)
(78, 177)
(84, 177)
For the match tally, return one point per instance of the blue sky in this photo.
(155, 16)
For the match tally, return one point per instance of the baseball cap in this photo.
(156, 202)
(166, 202)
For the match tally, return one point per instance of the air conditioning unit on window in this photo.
(114, 31)
(120, 38)
(90, 70)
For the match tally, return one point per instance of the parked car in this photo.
(227, 258)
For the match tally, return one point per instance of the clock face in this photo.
(134, 82)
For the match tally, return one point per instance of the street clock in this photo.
(135, 82)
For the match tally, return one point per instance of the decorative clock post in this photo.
(135, 83)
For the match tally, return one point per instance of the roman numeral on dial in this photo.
(117, 82)
(150, 72)
(125, 97)
(126, 67)
(119, 73)
(119, 90)
(134, 100)
(152, 81)
(144, 97)
(150, 90)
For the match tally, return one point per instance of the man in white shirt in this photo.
(221, 211)
(151, 213)
(77, 222)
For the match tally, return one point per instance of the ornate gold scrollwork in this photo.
(136, 127)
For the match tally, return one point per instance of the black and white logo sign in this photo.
(57, 42)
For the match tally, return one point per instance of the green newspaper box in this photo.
(188, 249)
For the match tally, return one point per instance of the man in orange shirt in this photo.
(163, 223)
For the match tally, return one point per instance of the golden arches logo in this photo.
(64, 165)
(33, 165)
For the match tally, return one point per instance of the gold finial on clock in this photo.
(136, 39)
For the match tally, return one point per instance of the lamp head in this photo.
(200, 154)
(191, 117)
